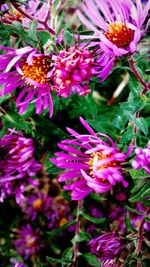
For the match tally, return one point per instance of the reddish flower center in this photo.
(119, 34)
(37, 204)
(38, 70)
(94, 159)
(30, 241)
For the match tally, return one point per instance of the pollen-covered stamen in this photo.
(119, 34)
(97, 157)
(38, 70)
(37, 204)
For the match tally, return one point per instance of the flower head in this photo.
(118, 25)
(107, 246)
(27, 69)
(17, 164)
(73, 70)
(142, 159)
(37, 203)
(28, 241)
(93, 164)
(25, 14)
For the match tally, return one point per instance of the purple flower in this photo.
(110, 263)
(73, 70)
(34, 10)
(93, 164)
(17, 164)
(38, 203)
(107, 246)
(27, 69)
(142, 159)
(16, 263)
(28, 241)
(118, 25)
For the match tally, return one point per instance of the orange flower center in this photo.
(37, 204)
(94, 159)
(119, 34)
(30, 241)
(38, 70)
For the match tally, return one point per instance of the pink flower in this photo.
(28, 241)
(142, 159)
(30, 71)
(73, 69)
(17, 164)
(118, 26)
(91, 163)
(107, 246)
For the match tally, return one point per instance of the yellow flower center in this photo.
(119, 34)
(96, 157)
(38, 70)
(63, 221)
(37, 204)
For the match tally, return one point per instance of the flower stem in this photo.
(140, 238)
(146, 87)
(76, 245)
(44, 23)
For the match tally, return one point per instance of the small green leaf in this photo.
(68, 37)
(53, 260)
(32, 33)
(67, 254)
(91, 259)
(81, 237)
(93, 219)
(56, 232)
(143, 193)
(128, 224)
(138, 175)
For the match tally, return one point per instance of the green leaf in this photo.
(81, 237)
(128, 135)
(142, 125)
(138, 175)
(146, 203)
(53, 260)
(134, 85)
(91, 259)
(143, 193)
(67, 254)
(93, 219)
(43, 36)
(147, 218)
(56, 232)
(32, 33)
(128, 224)
(68, 37)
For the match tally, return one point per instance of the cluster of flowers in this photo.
(117, 27)
(43, 209)
(92, 162)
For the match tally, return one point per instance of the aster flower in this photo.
(110, 263)
(93, 164)
(28, 241)
(16, 263)
(73, 69)
(119, 26)
(142, 159)
(34, 10)
(37, 203)
(17, 164)
(107, 246)
(27, 69)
